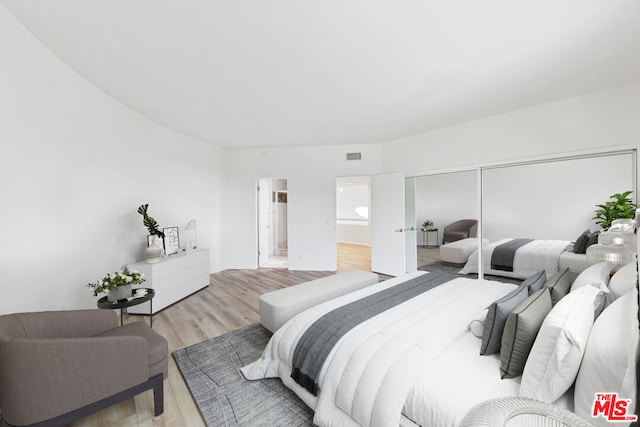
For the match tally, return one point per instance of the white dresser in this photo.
(174, 278)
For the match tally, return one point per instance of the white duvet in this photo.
(529, 259)
(373, 368)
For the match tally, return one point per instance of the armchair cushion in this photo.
(44, 378)
(461, 229)
(157, 347)
(55, 365)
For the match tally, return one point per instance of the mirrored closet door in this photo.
(553, 199)
(442, 199)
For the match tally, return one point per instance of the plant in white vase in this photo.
(427, 225)
(153, 253)
(117, 284)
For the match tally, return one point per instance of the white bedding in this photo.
(576, 263)
(529, 259)
(464, 379)
(373, 368)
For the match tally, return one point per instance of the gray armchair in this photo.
(461, 229)
(59, 366)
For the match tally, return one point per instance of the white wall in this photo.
(311, 177)
(350, 197)
(351, 227)
(74, 166)
(607, 118)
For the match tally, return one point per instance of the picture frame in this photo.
(171, 240)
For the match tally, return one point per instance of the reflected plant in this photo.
(620, 206)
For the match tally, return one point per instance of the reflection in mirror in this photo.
(552, 203)
(442, 199)
(551, 200)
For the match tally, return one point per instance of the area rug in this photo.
(439, 267)
(224, 397)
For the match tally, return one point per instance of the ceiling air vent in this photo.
(354, 156)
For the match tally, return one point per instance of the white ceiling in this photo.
(249, 73)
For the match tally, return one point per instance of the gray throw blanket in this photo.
(502, 257)
(319, 339)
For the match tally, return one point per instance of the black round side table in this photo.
(135, 299)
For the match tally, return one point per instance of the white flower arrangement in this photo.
(119, 278)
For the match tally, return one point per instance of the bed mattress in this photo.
(529, 259)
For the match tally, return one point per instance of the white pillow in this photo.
(624, 280)
(609, 362)
(556, 354)
(597, 275)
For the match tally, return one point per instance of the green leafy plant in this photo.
(427, 224)
(620, 206)
(150, 223)
(113, 280)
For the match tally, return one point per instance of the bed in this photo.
(418, 362)
(369, 376)
(534, 256)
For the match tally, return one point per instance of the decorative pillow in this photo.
(520, 332)
(597, 275)
(556, 354)
(559, 285)
(535, 282)
(624, 280)
(580, 246)
(496, 318)
(609, 362)
(477, 325)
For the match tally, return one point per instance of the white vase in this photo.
(121, 292)
(153, 253)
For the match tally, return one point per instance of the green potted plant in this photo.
(150, 223)
(620, 206)
(117, 284)
(427, 225)
(153, 253)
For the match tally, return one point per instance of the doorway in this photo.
(272, 223)
(353, 231)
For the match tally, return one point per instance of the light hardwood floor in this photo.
(352, 256)
(428, 255)
(228, 303)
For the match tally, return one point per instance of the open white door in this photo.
(264, 227)
(387, 218)
(411, 232)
